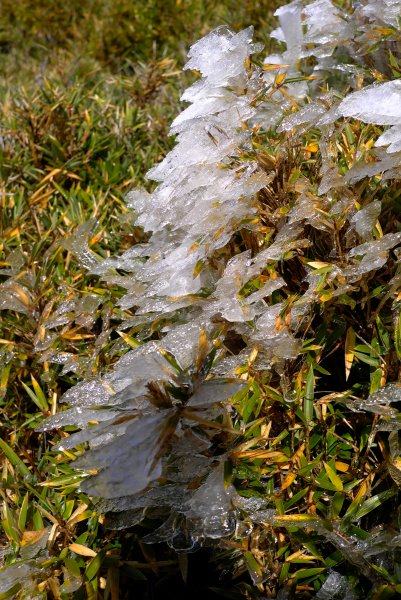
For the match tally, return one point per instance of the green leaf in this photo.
(375, 380)
(253, 568)
(296, 498)
(284, 572)
(69, 507)
(9, 524)
(384, 334)
(384, 592)
(40, 395)
(249, 406)
(38, 400)
(23, 513)
(309, 395)
(337, 503)
(94, 565)
(228, 473)
(397, 337)
(395, 66)
(37, 520)
(14, 459)
(312, 572)
(72, 566)
(369, 360)
(334, 478)
(373, 502)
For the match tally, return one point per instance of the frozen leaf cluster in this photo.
(268, 230)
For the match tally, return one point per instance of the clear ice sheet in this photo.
(176, 534)
(16, 573)
(308, 115)
(11, 297)
(365, 219)
(385, 395)
(326, 26)
(212, 392)
(382, 11)
(78, 416)
(383, 244)
(129, 467)
(391, 138)
(290, 30)
(336, 587)
(163, 496)
(220, 56)
(210, 509)
(379, 104)
(384, 162)
(78, 244)
(379, 403)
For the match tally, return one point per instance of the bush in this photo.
(254, 412)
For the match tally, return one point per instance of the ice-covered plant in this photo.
(264, 301)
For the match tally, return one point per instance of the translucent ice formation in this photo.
(243, 255)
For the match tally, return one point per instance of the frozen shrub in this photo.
(265, 305)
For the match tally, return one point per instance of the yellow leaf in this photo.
(87, 514)
(265, 454)
(301, 554)
(379, 229)
(384, 30)
(270, 67)
(203, 349)
(30, 537)
(219, 232)
(35, 198)
(12, 232)
(253, 356)
(288, 480)
(364, 489)
(129, 339)
(38, 192)
(326, 296)
(71, 335)
(54, 586)
(296, 518)
(341, 466)
(82, 550)
(22, 295)
(77, 512)
(280, 79)
(311, 148)
(51, 175)
(349, 351)
(318, 264)
(198, 268)
(96, 238)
